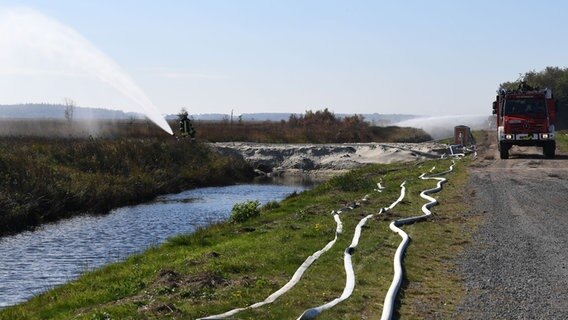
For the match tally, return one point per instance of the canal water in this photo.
(33, 262)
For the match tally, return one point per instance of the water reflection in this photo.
(32, 262)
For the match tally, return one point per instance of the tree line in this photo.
(321, 126)
(555, 78)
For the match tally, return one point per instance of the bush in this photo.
(243, 211)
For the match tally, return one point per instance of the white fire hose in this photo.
(349, 272)
(299, 272)
(388, 308)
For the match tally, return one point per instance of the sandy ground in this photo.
(289, 159)
(517, 266)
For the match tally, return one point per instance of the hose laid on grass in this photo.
(349, 275)
(348, 265)
(397, 201)
(388, 308)
(380, 187)
(299, 272)
(295, 278)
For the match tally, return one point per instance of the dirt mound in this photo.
(285, 159)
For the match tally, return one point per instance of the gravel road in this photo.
(517, 265)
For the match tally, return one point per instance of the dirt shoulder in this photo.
(516, 267)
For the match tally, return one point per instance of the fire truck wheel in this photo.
(504, 150)
(549, 150)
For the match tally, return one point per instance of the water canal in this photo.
(35, 261)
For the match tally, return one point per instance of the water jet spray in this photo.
(28, 36)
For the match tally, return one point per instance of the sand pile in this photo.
(280, 159)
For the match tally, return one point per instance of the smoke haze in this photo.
(443, 126)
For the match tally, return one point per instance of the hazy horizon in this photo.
(434, 58)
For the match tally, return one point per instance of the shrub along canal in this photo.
(35, 261)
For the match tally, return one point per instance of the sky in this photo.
(431, 57)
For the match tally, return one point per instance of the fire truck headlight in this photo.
(509, 136)
(545, 135)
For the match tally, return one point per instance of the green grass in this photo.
(230, 265)
(562, 141)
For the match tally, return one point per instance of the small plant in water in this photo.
(243, 211)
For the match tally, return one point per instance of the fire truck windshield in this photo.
(524, 106)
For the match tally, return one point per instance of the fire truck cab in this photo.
(525, 117)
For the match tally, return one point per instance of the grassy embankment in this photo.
(45, 179)
(232, 265)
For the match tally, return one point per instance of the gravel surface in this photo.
(517, 265)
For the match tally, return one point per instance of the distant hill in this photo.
(57, 111)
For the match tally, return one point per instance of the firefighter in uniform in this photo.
(185, 127)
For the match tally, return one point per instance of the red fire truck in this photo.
(525, 117)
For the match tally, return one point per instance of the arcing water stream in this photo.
(34, 44)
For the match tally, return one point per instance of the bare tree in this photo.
(69, 108)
